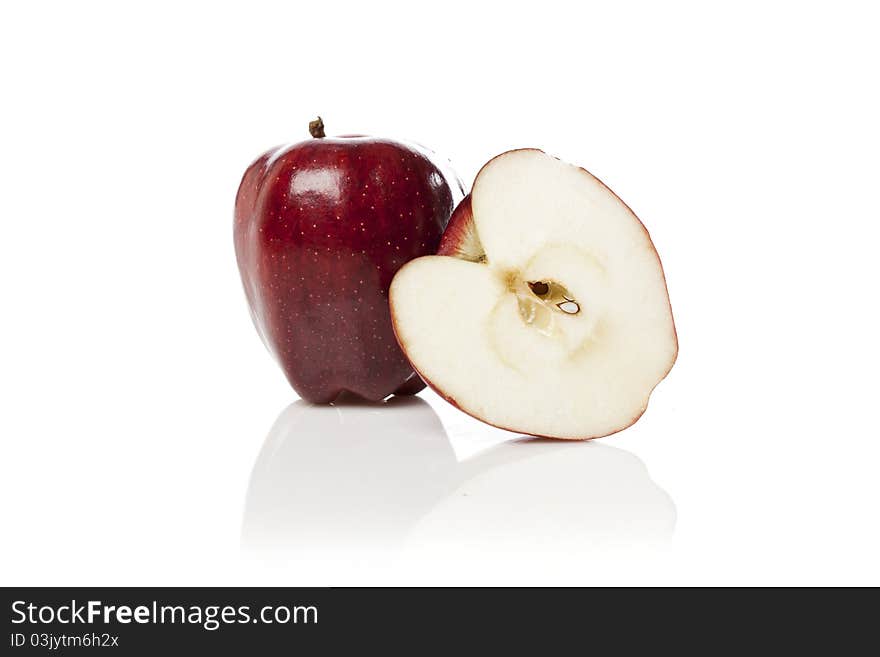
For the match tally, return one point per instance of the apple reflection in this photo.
(361, 481)
(347, 476)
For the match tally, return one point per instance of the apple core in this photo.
(539, 301)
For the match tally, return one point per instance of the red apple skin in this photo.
(321, 227)
(459, 231)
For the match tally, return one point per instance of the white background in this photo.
(138, 402)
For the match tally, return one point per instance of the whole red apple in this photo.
(321, 227)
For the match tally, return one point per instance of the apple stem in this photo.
(316, 128)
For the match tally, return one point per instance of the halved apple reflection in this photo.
(545, 497)
(356, 478)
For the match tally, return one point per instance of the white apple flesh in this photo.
(546, 312)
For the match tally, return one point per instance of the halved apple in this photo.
(546, 310)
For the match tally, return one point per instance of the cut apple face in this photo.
(546, 312)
